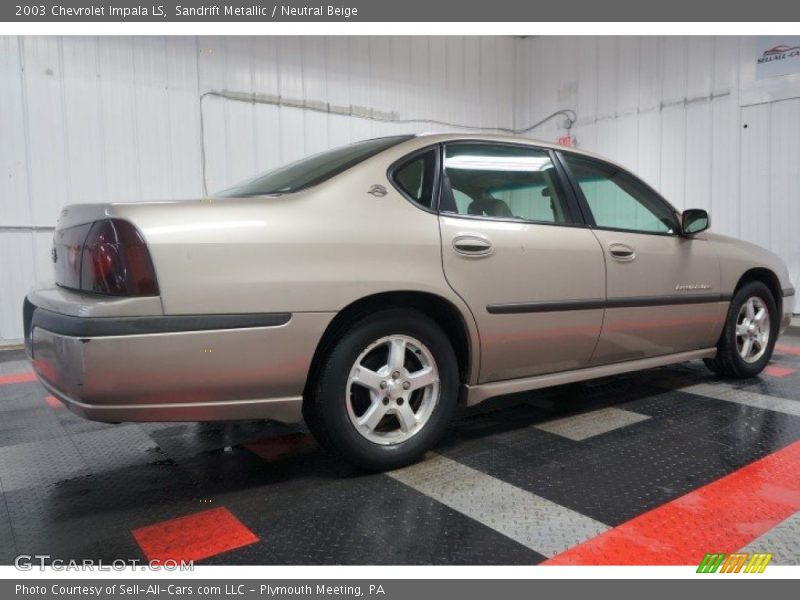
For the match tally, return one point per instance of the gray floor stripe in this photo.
(12, 367)
(722, 391)
(782, 541)
(586, 425)
(541, 525)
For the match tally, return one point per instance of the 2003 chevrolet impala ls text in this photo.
(370, 288)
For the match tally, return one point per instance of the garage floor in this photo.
(658, 467)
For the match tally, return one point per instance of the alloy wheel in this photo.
(752, 329)
(392, 389)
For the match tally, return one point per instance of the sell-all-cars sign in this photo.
(777, 56)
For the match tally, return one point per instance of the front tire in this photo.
(386, 390)
(748, 339)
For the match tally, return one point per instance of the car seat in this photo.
(489, 206)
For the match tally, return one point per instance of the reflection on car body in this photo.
(370, 288)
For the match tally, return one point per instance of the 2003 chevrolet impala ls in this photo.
(371, 288)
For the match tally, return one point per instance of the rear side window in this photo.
(620, 201)
(312, 170)
(501, 181)
(417, 178)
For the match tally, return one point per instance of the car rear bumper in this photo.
(184, 368)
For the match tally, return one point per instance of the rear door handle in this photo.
(621, 252)
(470, 244)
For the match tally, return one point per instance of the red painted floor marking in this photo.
(54, 402)
(785, 349)
(775, 371)
(722, 516)
(194, 537)
(17, 378)
(271, 449)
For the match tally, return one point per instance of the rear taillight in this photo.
(105, 257)
(115, 261)
(67, 249)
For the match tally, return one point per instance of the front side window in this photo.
(417, 177)
(311, 170)
(618, 200)
(502, 181)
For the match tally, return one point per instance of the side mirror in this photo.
(694, 220)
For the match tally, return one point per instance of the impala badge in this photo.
(378, 191)
(688, 287)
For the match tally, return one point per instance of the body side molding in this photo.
(110, 326)
(597, 303)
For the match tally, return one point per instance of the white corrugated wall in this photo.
(118, 118)
(685, 114)
(94, 119)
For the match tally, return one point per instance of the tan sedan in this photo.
(371, 288)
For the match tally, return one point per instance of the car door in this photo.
(514, 248)
(663, 288)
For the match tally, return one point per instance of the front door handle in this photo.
(472, 245)
(621, 252)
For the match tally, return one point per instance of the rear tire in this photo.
(748, 339)
(386, 390)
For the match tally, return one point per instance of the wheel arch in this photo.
(441, 310)
(768, 278)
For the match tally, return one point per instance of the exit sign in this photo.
(566, 140)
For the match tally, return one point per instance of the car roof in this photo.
(434, 137)
(420, 140)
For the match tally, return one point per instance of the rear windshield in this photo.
(312, 170)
